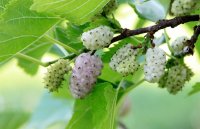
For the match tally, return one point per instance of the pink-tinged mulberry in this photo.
(84, 74)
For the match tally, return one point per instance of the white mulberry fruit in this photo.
(97, 38)
(124, 61)
(183, 7)
(110, 7)
(176, 78)
(55, 74)
(178, 45)
(154, 68)
(84, 74)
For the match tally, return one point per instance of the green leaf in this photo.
(22, 28)
(76, 11)
(100, 20)
(195, 89)
(70, 35)
(109, 75)
(96, 111)
(64, 92)
(36, 50)
(55, 50)
(50, 111)
(159, 40)
(13, 119)
(2, 5)
(108, 53)
(152, 10)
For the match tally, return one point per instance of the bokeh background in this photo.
(26, 104)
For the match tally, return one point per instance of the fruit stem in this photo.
(134, 38)
(126, 91)
(167, 41)
(68, 48)
(133, 86)
(120, 84)
(171, 56)
(31, 59)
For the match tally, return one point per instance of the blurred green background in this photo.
(26, 104)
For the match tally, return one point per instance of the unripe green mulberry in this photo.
(110, 7)
(55, 74)
(162, 81)
(174, 80)
(124, 61)
(184, 7)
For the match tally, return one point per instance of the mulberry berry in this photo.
(179, 45)
(183, 7)
(124, 61)
(177, 76)
(84, 74)
(110, 7)
(154, 68)
(97, 38)
(55, 74)
(162, 81)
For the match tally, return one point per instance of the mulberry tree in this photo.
(97, 58)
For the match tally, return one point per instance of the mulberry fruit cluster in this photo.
(110, 7)
(55, 74)
(84, 74)
(175, 78)
(97, 38)
(179, 45)
(124, 61)
(183, 7)
(154, 68)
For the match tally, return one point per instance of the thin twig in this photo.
(31, 59)
(154, 28)
(193, 39)
(151, 29)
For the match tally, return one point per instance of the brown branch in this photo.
(193, 39)
(154, 28)
(150, 30)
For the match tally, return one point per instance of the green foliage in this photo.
(195, 89)
(23, 26)
(69, 34)
(21, 29)
(50, 111)
(76, 11)
(108, 53)
(36, 50)
(97, 109)
(64, 92)
(152, 10)
(3, 3)
(13, 119)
